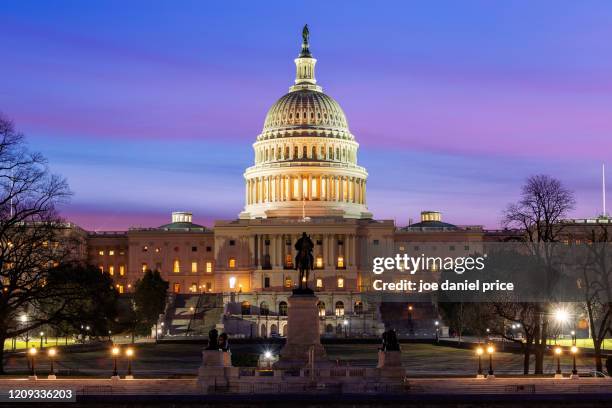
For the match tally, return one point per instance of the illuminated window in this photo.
(176, 266)
(340, 262)
(208, 267)
(194, 267)
(321, 306)
(339, 308)
(144, 267)
(101, 267)
(232, 282)
(319, 283)
(288, 282)
(319, 262)
(120, 288)
(340, 283)
(101, 253)
(193, 288)
(289, 261)
(232, 263)
(111, 252)
(177, 287)
(121, 270)
(111, 270)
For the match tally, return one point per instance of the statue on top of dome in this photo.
(305, 39)
(305, 34)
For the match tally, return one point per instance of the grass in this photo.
(35, 342)
(583, 343)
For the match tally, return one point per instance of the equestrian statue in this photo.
(304, 261)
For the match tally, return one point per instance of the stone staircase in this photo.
(193, 315)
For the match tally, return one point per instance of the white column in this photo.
(300, 188)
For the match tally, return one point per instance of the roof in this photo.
(182, 226)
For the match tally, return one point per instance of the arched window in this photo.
(337, 153)
(321, 306)
(339, 329)
(286, 153)
(295, 152)
(358, 307)
(273, 329)
(329, 329)
(176, 266)
(314, 152)
(263, 332)
(245, 308)
(331, 153)
(339, 308)
(304, 152)
(282, 308)
(264, 310)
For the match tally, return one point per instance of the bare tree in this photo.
(596, 285)
(543, 205)
(33, 239)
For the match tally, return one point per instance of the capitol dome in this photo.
(304, 109)
(305, 155)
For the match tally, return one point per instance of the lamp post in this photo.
(558, 351)
(42, 335)
(129, 353)
(574, 350)
(32, 353)
(115, 352)
(437, 324)
(52, 353)
(345, 323)
(479, 353)
(490, 351)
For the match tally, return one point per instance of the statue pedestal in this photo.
(390, 364)
(303, 337)
(215, 368)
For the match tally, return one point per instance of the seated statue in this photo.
(224, 342)
(213, 343)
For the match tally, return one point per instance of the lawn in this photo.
(584, 343)
(35, 341)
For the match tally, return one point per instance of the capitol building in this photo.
(238, 275)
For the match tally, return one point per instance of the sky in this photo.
(148, 107)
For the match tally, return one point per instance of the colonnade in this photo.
(267, 189)
(330, 250)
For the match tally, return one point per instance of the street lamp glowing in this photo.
(490, 349)
(345, 322)
(129, 352)
(574, 349)
(561, 315)
(558, 350)
(115, 351)
(42, 334)
(32, 351)
(267, 355)
(23, 318)
(52, 352)
(437, 323)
